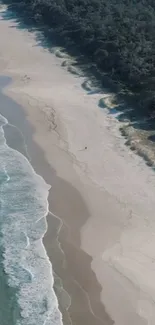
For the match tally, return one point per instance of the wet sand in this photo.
(76, 286)
(101, 243)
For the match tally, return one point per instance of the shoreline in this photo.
(45, 188)
(81, 303)
(110, 224)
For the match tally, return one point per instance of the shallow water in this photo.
(27, 295)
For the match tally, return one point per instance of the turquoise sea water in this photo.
(26, 280)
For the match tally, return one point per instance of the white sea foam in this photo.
(24, 206)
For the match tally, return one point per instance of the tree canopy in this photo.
(117, 35)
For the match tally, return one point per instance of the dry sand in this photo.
(106, 192)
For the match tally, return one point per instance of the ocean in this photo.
(26, 278)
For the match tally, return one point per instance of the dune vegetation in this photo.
(117, 36)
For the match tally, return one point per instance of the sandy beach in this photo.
(101, 226)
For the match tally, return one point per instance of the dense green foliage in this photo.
(118, 35)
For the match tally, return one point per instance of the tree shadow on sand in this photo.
(96, 82)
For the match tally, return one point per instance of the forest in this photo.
(118, 36)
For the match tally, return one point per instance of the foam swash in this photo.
(23, 210)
